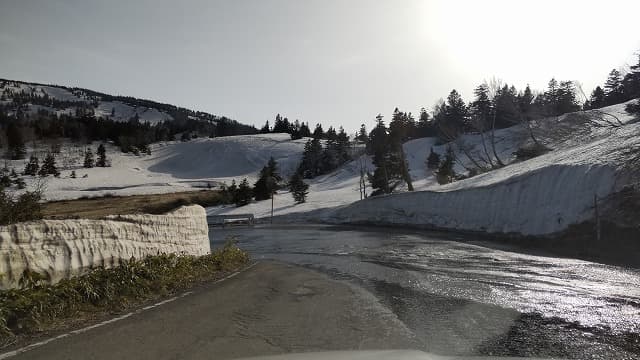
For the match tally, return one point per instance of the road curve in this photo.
(272, 308)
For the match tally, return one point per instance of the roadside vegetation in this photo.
(37, 306)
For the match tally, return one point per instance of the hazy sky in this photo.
(335, 62)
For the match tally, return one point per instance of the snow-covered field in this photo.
(171, 167)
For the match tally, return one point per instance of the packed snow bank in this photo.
(63, 248)
(542, 202)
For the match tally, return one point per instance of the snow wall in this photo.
(64, 248)
(542, 202)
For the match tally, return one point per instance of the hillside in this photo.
(589, 156)
(33, 102)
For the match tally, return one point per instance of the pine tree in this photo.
(318, 133)
(451, 117)
(525, 103)
(362, 134)
(310, 164)
(481, 107)
(445, 173)
(399, 128)
(265, 129)
(295, 130)
(388, 171)
(299, 189)
(305, 132)
(89, 160)
(32, 166)
(613, 88)
(244, 193)
(433, 160)
(631, 82)
(425, 126)
(102, 156)
(567, 99)
(267, 181)
(49, 166)
(597, 99)
(16, 147)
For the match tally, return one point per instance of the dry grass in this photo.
(95, 208)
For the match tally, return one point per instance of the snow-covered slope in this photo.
(116, 110)
(171, 167)
(542, 195)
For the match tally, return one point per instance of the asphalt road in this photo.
(271, 308)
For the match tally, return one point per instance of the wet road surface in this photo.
(464, 299)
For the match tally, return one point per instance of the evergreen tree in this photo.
(310, 164)
(433, 160)
(102, 156)
(32, 166)
(567, 99)
(89, 160)
(525, 103)
(481, 108)
(451, 117)
(244, 194)
(631, 82)
(281, 125)
(265, 129)
(299, 189)
(425, 126)
(445, 173)
(16, 147)
(305, 132)
(49, 166)
(399, 128)
(505, 107)
(388, 170)
(597, 99)
(318, 133)
(613, 89)
(295, 130)
(267, 182)
(362, 134)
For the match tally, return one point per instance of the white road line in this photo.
(106, 322)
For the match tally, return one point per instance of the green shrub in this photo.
(25, 207)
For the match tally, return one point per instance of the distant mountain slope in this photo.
(33, 97)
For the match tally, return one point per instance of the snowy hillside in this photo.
(172, 166)
(589, 157)
(116, 110)
(32, 99)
